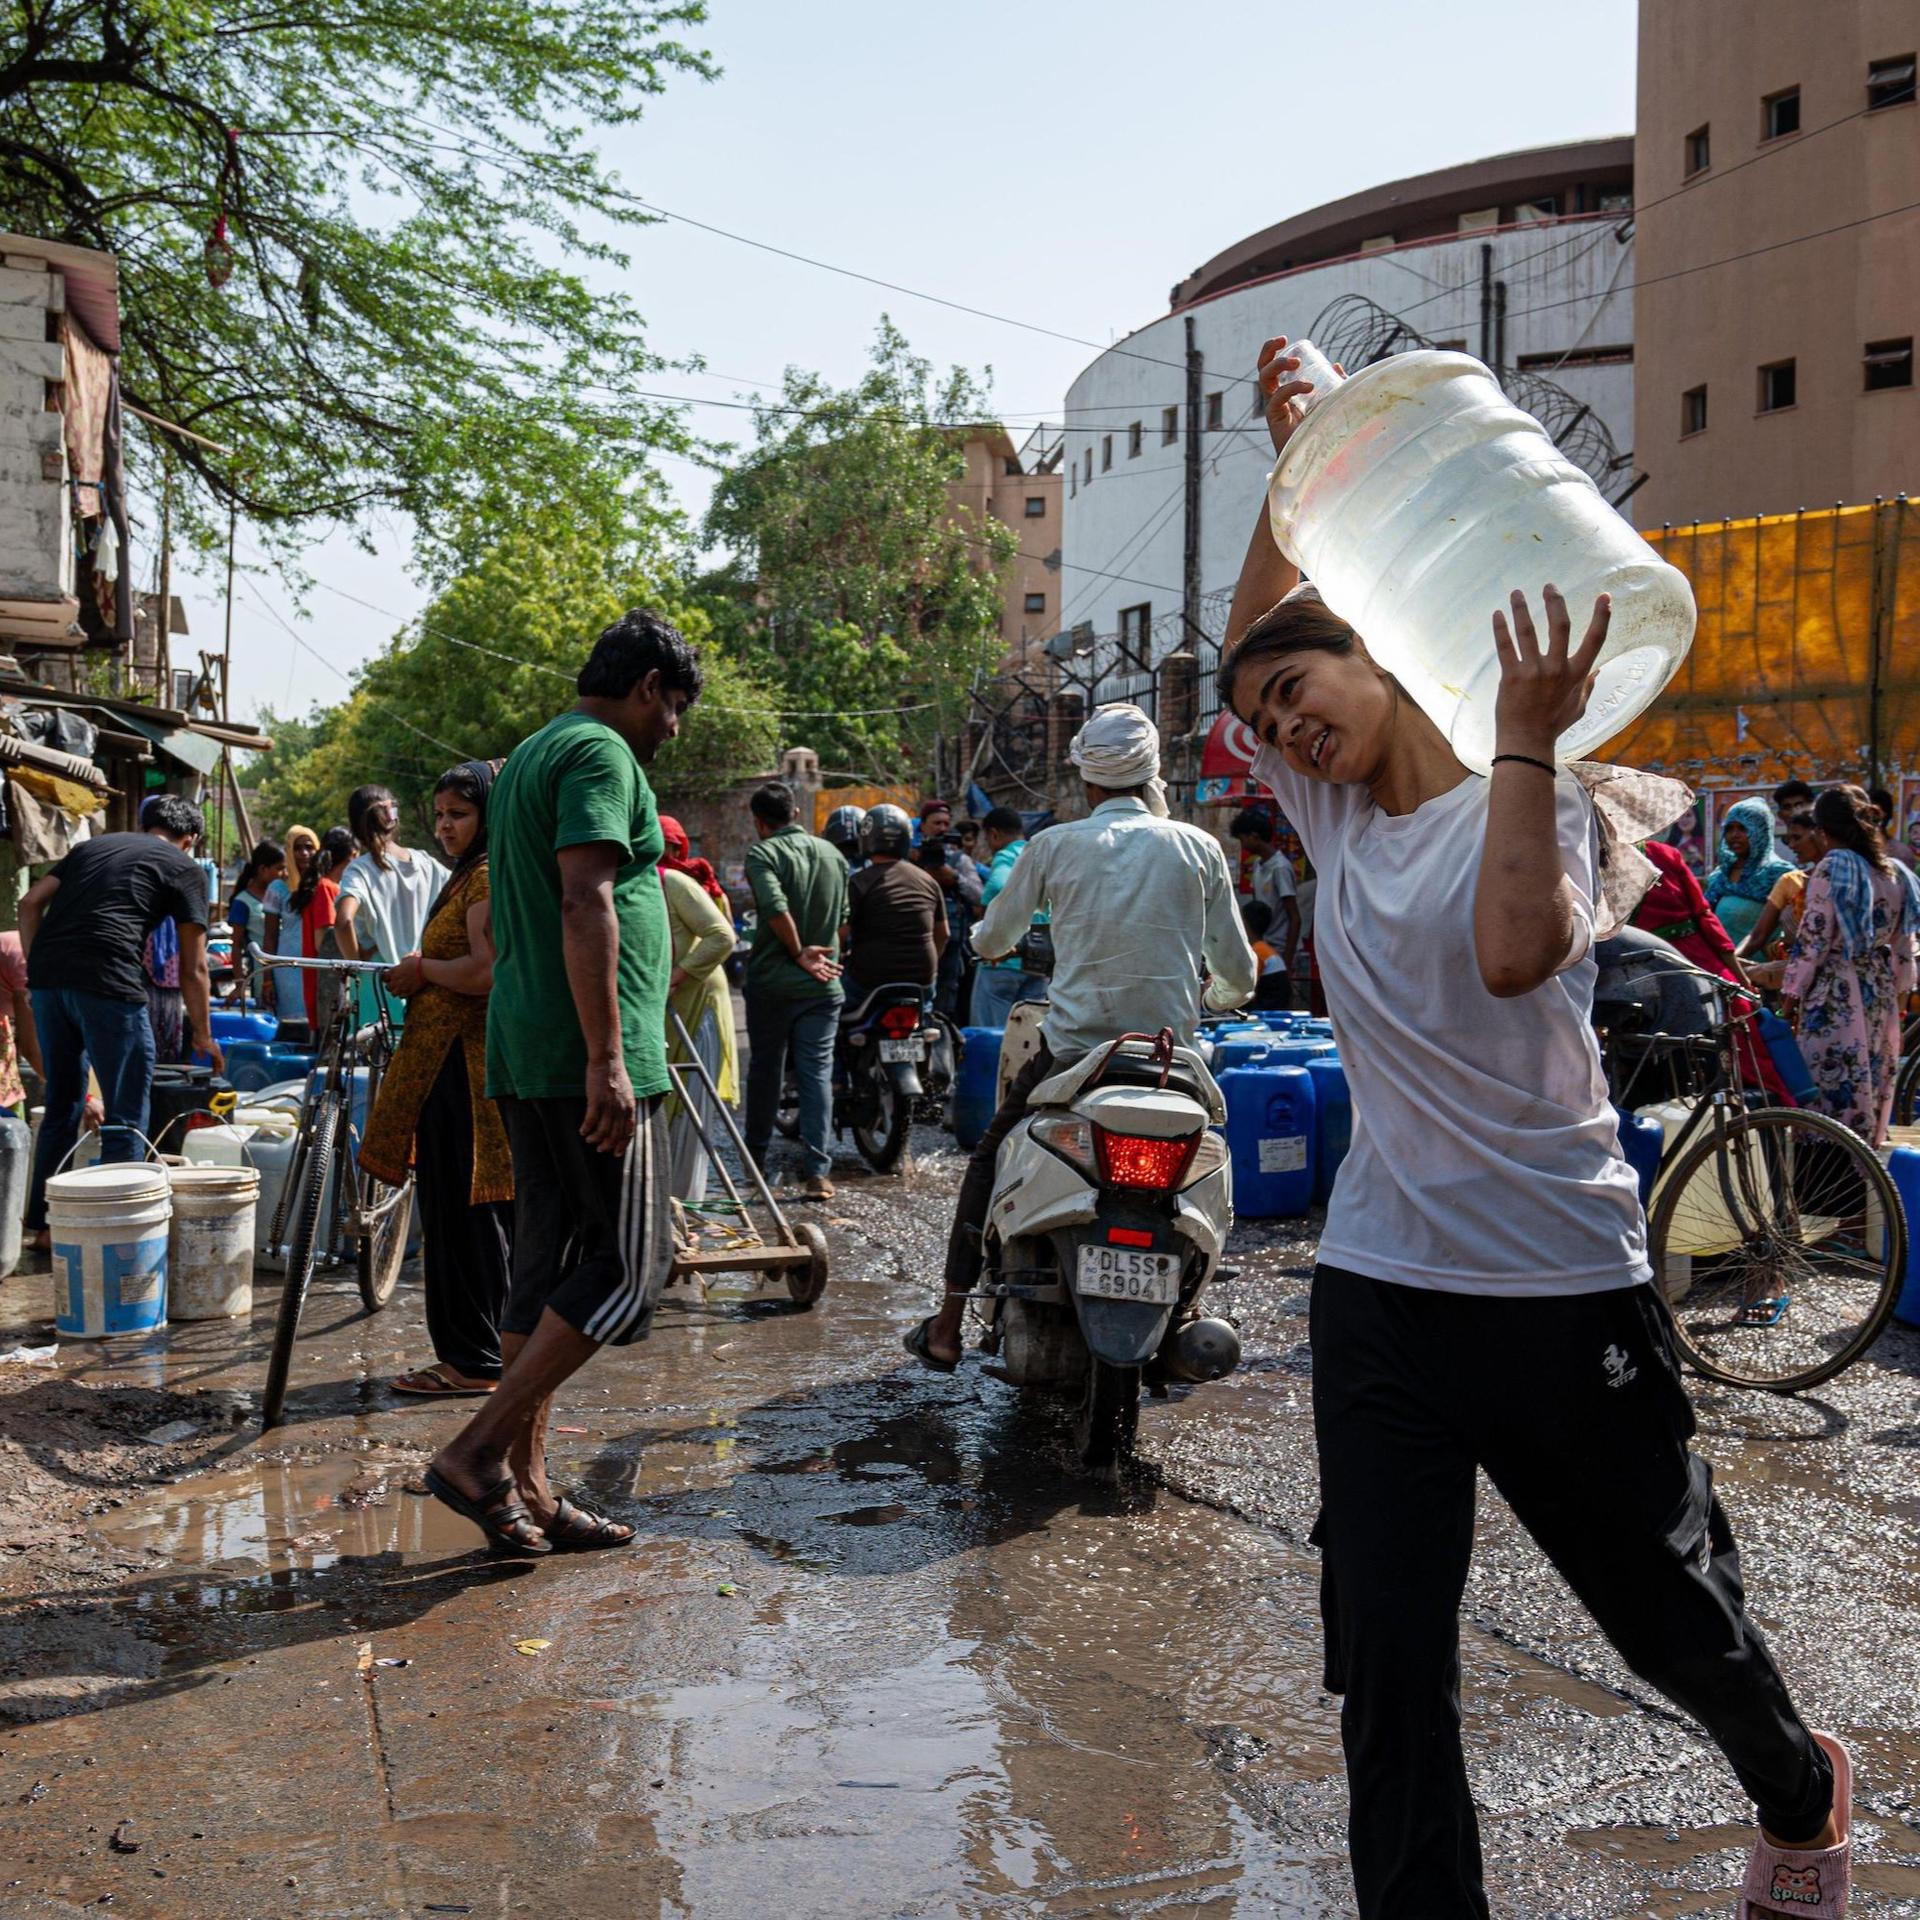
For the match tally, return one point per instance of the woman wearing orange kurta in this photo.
(433, 1108)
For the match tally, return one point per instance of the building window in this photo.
(1169, 425)
(1073, 481)
(1780, 114)
(1889, 364)
(1134, 441)
(1378, 243)
(1699, 152)
(1545, 207)
(1011, 468)
(1575, 357)
(1089, 466)
(1135, 625)
(1216, 411)
(1693, 411)
(1036, 506)
(1890, 82)
(1479, 220)
(1106, 451)
(1616, 201)
(1036, 603)
(1776, 387)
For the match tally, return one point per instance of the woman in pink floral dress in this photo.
(1853, 965)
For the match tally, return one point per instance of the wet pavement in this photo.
(875, 1651)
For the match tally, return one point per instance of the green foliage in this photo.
(408, 191)
(870, 588)
(493, 658)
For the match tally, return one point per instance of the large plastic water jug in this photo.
(1903, 1163)
(975, 1095)
(1270, 1135)
(1416, 496)
(1240, 1049)
(1332, 1121)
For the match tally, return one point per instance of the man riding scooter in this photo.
(1141, 904)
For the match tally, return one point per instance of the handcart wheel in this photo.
(808, 1282)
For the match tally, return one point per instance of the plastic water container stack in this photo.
(1405, 495)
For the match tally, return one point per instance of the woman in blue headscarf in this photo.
(1750, 863)
(1853, 965)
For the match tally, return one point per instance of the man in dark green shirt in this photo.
(793, 979)
(576, 1058)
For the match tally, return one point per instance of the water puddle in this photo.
(269, 1519)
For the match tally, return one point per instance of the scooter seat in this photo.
(1132, 1065)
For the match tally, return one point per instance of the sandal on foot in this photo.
(499, 1513)
(436, 1383)
(919, 1344)
(580, 1530)
(1811, 1882)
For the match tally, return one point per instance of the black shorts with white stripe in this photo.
(592, 1231)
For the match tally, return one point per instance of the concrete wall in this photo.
(1816, 301)
(36, 555)
(989, 489)
(1568, 287)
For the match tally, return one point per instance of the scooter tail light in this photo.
(1070, 1138)
(1143, 1161)
(897, 1023)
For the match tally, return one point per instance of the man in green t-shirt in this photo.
(793, 979)
(576, 1058)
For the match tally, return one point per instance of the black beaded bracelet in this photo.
(1527, 760)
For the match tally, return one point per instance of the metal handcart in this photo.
(797, 1251)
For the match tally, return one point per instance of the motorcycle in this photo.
(894, 1060)
(1112, 1203)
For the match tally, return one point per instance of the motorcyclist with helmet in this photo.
(842, 833)
(896, 911)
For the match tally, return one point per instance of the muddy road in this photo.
(874, 1652)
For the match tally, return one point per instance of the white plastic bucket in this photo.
(210, 1249)
(109, 1227)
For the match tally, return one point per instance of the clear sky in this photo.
(1059, 161)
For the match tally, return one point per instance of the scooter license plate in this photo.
(1125, 1273)
(893, 1050)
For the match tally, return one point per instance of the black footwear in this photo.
(918, 1343)
(499, 1513)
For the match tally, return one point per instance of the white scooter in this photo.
(1111, 1207)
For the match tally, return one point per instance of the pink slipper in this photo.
(1810, 1882)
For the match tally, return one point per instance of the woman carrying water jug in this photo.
(1483, 1297)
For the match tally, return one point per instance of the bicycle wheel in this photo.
(1780, 1245)
(386, 1217)
(1906, 1091)
(302, 1249)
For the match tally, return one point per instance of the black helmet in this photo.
(842, 831)
(886, 830)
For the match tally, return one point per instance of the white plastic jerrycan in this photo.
(1416, 497)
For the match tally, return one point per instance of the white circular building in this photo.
(1524, 260)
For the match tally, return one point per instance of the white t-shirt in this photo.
(1273, 881)
(394, 900)
(1485, 1155)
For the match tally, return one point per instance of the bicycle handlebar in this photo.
(328, 966)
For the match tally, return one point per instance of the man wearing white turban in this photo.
(1145, 931)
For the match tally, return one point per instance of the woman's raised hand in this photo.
(1543, 690)
(1275, 371)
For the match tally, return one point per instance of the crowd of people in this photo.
(1482, 1296)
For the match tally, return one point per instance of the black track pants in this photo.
(1574, 1406)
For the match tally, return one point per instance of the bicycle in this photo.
(1906, 1086)
(314, 1198)
(1776, 1236)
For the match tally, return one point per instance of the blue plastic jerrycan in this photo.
(1643, 1141)
(1270, 1135)
(975, 1085)
(1903, 1163)
(1333, 1121)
